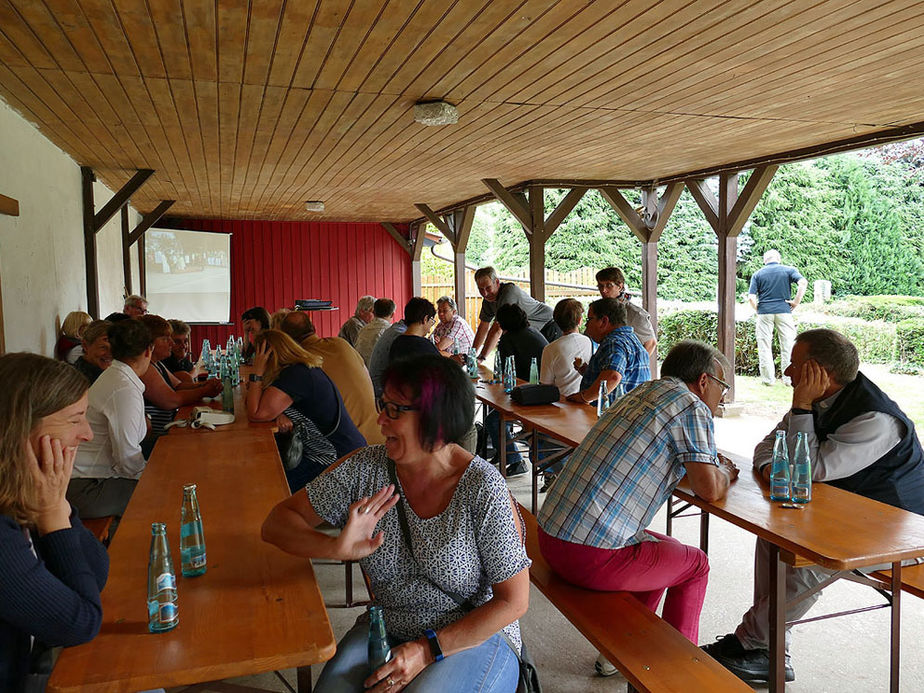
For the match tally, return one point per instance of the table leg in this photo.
(704, 531)
(303, 679)
(534, 463)
(895, 655)
(502, 443)
(777, 621)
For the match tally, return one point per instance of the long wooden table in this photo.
(256, 610)
(838, 530)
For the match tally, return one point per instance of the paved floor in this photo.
(845, 655)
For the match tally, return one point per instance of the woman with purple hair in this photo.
(437, 533)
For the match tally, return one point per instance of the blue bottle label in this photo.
(165, 581)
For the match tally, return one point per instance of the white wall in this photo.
(42, 267)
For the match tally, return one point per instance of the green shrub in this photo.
(909, 341)
(874, 340)
(887, 308)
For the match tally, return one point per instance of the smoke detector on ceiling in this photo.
(435, 113)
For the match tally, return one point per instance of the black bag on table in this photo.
(535, 393)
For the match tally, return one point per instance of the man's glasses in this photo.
(392, 409)
(725, 386)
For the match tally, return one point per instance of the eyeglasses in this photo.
(725, 386)
(392, 409)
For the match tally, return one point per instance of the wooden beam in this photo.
(512, 202)
(460, 223)
(149, 220)
(9, 206)
(650, 294)
(89, 240)
(399, 239)
(2, 338)
(142, 268)
(126, 252)
(558, 215)
(749, 197)
(666, 204)
(439, 223)
(706, 201)
(537, 239)
(120, 198)
(626, 212)
(418, 234)
(728, 257)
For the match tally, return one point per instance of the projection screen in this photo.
(188, 274)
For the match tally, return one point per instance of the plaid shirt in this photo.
(457, 329)
(619, 351)
(628, 466)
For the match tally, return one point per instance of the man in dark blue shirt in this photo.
(770, 295)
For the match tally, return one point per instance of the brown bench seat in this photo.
(649, 652)
(912, 578)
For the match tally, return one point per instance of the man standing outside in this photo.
(611, 283)
(860, 441)
(495, 295)
(770, 295)
(621, 358)
(593, 525)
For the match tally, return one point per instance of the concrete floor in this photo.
(845, 655)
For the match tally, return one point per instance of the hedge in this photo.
(909, 341)
(887, 308)
(876, 341)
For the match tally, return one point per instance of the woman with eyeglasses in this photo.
(437, 533)
(287, 382)
(52, 567)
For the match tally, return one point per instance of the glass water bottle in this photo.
(162, 598)
(379, 651)
(801, 470)
(780, 480)
(192, 539)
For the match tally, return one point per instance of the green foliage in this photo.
(910, 341)
(887, 308)
(874, 340)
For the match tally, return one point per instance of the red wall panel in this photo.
(275, 263)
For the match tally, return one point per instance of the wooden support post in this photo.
(531, 215)
(456, 227)
(142, 268)
(727, 216)
(9, 206)
(149, 220)
(126, 253)
(418, 234)
(89, 241)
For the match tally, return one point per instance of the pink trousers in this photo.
(645, 569)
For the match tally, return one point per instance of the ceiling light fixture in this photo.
(435, 113)
(314, 206)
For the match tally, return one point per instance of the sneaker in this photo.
(517, 468)
(604, 668)
(747, 665)
(547, 481)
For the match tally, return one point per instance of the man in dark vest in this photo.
(859, 441)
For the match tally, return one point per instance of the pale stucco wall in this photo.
(42, 268)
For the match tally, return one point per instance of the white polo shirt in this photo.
(116, 415)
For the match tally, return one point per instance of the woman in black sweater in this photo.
(52, 568)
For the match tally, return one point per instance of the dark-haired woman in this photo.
(253, 322)
(53, 568)
(453, 584)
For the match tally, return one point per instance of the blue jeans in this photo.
(492, 425)
(490, 667)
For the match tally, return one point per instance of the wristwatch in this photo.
(435, 648)
(797, 410)
(254, 378)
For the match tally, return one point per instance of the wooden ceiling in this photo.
(247, 109)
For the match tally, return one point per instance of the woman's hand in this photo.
(260, 358)
(579, 365)
(51, 472)
(407, 660)
(283, 423)
(356, 540)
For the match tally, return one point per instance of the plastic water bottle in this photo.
(801, 470)
(192, 540)
(498, 369)
(379, 651)
(780, 481)
(472, 363)
(162, 599)
(206, 354)
(603, 398)
(510, 375)
(533, 371)
(455, 347)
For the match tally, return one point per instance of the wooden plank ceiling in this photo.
(247, 109)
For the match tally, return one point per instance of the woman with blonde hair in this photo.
(67, 347)
(287, 380)
(53, 568)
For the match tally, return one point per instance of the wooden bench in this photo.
(649, 652)
(912, 578)
(99, 527)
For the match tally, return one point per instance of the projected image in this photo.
(188, 274)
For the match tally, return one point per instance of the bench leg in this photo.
(777, 676)
(895, 654)
(303, 679)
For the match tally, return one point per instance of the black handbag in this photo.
(529, 675)
(535, 393)
(306, 441)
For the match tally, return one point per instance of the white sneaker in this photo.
(604, 668)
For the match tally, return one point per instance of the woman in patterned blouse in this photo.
(452, 600)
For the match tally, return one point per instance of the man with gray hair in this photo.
(363, 314)
(451, 327)
(860, 441)
(135, 306)
(770, 294)
(593, 526)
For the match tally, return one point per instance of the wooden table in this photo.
(256, 610)
(240, 423)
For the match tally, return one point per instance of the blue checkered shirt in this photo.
(628, 465)
(619, 351)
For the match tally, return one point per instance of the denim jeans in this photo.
(490, 667)
(492, 425)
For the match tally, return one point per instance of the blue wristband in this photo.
(435, 648)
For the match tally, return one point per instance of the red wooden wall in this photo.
(274, 263)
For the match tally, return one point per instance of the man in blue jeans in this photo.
(770, 294)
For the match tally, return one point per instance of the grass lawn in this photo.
(906, 390)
